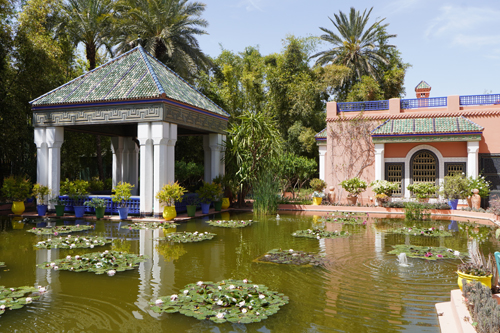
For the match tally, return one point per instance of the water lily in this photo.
(52, 264)
(245, 281)
(231, 287)
(220, 288)
(55, 233)
(290, 250)
(244, 310)
(68, 257)
(186, 292)
(56, 268)
(255, 286)
(242, 303)
(439, 255)
(199, 283)
(2, 307)
(111, 272)
(219, 302)
(174, 298)
(158, 302)
(262, 296)
(456, 253)
(220, 315)
(29, 299)
(42, 289)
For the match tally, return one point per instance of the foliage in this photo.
(320, 233)
(473, 269)
(16, 188)
(494, 206)
(40, 192)
(188, 237)
(76, 242)
(416, 211)
(454, 187)
(231, 223)
(292, 257)
(149, 225)
(295, 171)
(354, 186)
(265, 194)
(76, 190)
(317, 184)
(423, 190)
(384, 187)
(166, 29)
(96, 203)
(170, 194)
(63, 229)
(95, 184)
(427, 252)
(108, 262)
(16, 298)
(189, 174)
(483, 308)
(479, 183)
(415, 231)
(422, 205)
(317, 194)
(209, 192)
(346, 218)
(235, 301)
(123, 192)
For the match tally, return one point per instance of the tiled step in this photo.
(453, 316)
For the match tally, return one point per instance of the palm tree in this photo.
(359, 48)
(165, 28)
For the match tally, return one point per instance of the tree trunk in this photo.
(99, 157)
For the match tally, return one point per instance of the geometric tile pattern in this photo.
(321, 135)
(440, 125)
(423, 85)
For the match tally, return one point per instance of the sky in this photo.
(452, 45)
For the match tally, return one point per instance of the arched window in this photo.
(424, 167)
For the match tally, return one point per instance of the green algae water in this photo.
(361, 289)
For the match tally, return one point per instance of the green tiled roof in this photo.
(321, 135)
(423, 85)
(441, 125)
(135, 75)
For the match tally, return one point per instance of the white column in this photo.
(379, 161)
(42, 172)
(170, 166)
(130, 161)
(55, 139)
(117, 149)
(144, 136)
(160, 132)
(322, 157)
(472, 158)
(207, 163)
(215, 143)
(222, 168)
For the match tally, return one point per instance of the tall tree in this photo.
(165, 28)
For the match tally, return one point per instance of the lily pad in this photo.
(69, 242)
(63, 229)
(346, 218)
(414, 231)
(108, 262)
(427, 252)
(292, 257)
(231, 223)
(236, 301)
(188, 237)
(320, 233)
(16, 298)
(149, 225)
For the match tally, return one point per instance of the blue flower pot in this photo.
(41, 210)
(205, 208)
(123, 212)
(79, 211)
(453, 204)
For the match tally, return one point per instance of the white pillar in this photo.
(42, 172)
(130, 162)
(172, 139)
(54, 138)
(379, 161)
(144, 136)
(160, 131)
(117, 149)
(322, 157)
(222, 168)
(215, 143)
(472, 158)
(207, 162)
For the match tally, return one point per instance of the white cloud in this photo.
(251, 5)
(474, 41)
(398, 6)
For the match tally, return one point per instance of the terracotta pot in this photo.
(476, 199)
(352, 200)
(469, 202)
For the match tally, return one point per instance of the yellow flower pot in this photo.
(317, 201)
(225, 203)
(169, 213)
(485, 280)
(18, 207)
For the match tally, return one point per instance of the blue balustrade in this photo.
(111, 207)
(415, 103)
(480, 99)
(363, 106)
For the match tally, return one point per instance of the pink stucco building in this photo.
(411, 140)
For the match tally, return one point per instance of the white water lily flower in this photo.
(174, 297)
(231, 287)
(255, 286)
(77, 257)
(290, 250)
(87, 243)
(241, 303)
(106, 252)
(98, 265)
(56, 268)
(29, 299)
(256, 313)
(233, 299)
(219, 302)
(186, 292)
(2, 307)
(220, 288)
(195, 233)
(220, 315)
(111, 272)
(48, 240)
(199, 283)
(91, 246)
(42, 289)
(158, 302)
(262, 296)
(244, 310)
(316, 238)
(245, 281)
(456, 253)
(52, 264)
(68, 257)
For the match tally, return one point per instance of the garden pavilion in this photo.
(413, 140)
(144, 106)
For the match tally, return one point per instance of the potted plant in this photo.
(318, 185)
(41, 192)
(479, 185)
(191, 200)
(354, 187)
(77, 191)
(423, 190)
(383, 190)
(223, 181)
(207, 194)
(99, 205)
(59, 205)
(169, 195)
(16, 189)
(123, 192)
(454, 187)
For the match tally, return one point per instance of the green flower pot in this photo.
(218, 205)
(60, 210)
(99, 212)
(191, 210)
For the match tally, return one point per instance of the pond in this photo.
(361, 289)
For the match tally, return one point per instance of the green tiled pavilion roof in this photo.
(321, 135)
(431, 126)
(135, 75)
(423, 85)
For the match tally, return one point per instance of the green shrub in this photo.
(354, 186)
(484, 310)
(454, 187)
(423, 190)
(16, 188)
